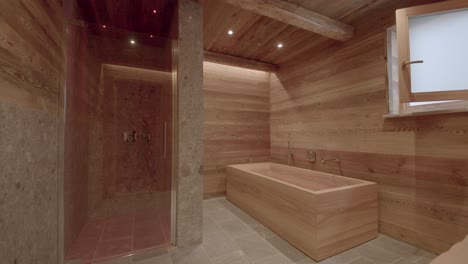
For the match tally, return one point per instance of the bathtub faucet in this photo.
(337, 160)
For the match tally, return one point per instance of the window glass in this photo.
(441, 41)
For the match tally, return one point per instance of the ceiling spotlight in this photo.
(132, 42)
(230, 32)
(280, 45)
(104, 26)
(155, 11)
(151, 36)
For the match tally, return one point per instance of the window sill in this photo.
(424, 113)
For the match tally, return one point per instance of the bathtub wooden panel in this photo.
(321, 224)
(356, 209)
(236, 121)
(283, 209)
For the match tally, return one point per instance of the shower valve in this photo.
(130, 136)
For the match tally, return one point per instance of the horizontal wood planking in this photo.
(332, 101)
(238, 62)
(236, 121)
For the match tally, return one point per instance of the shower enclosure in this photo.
(117, 128)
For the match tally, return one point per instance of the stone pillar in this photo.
(190, 119)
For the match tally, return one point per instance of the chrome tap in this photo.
(290, 154)
(337, 160)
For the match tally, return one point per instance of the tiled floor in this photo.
(120, 236)
(233, 237)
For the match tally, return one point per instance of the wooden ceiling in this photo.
(256, 37)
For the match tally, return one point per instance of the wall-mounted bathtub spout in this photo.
(337, 160)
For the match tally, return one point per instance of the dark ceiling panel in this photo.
(152, 17)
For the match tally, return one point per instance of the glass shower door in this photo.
(118, 144)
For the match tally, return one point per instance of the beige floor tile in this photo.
(311, 261)
(244, 217)
(218, 214)
(376, 254)
(209, 226)
(220, 199)
(155, 256)
(255, 247)
(275, 259)
(236, 228)
(237, 257)
(263, 231)
(403, 261)
(286, 249)
(425, 259)
(189, 255)
(219, 244)
(210, 204)
(162, 259)
(248, 220)
(396, 247)
(362, 261)
(344, 257)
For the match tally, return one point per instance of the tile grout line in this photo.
(221, 229)
(253, 233)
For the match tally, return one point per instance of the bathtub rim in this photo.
(236, 167)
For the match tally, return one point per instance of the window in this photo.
(428, 59)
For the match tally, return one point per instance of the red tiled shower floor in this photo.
(119, 236)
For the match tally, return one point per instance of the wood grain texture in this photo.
(30, 53)
(224, 59)
(255, 36)
(236, 125)
(322, 217)
(297, 16)
(332, 101)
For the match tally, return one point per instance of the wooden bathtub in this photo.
(319, 213)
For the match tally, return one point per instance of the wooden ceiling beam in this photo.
(297, 16)
(220, 58)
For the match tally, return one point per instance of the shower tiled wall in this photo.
(131, 173)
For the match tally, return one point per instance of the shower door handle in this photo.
(164, 140)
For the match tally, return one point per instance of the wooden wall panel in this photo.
(332, 101)
(236, 121)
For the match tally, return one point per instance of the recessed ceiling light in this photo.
(155, 11)
(230, 32)
(151, 36)
(104, 26)
(280, 45)
(132, 42)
